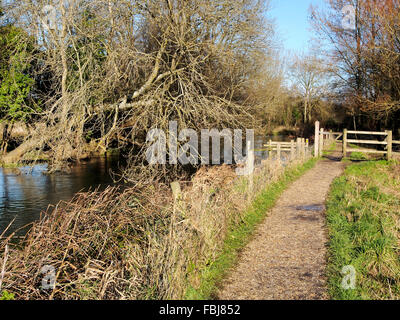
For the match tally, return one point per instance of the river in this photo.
(27, 191)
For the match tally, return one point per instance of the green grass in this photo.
(331, 148)
(358, 156)
(7, 296)
(362, 216)
(240, 235)
(11, 165)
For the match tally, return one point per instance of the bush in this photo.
(7, 296)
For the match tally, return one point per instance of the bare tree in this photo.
(310, 78)
(366, 56)
(118, 68)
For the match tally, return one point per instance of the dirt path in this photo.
(287, 257)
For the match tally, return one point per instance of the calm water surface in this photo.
(26, 192)
(262, 154)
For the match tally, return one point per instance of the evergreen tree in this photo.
(16, 82)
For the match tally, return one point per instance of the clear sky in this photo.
(292, 21)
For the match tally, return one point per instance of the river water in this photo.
(27, 191)
(260, 149)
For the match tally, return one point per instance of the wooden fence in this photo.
(301, 147)
(298, 148)
(323, 138)
(388, 142)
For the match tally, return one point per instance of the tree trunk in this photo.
(16, 155)
(305, 110)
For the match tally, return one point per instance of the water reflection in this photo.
(261, 152)
(25, 192)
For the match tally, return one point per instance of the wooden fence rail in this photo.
(299, 148)
(388, 142)
(367, 141)
(371, 133)
(339, 136)
(323, 137)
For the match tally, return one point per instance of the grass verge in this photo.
(332, 147)
(239, 235)
(363, 221)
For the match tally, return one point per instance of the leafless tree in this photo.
(310, 78)
(119, 68)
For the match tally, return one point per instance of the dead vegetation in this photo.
(134, 244)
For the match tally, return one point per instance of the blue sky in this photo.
(293, 27)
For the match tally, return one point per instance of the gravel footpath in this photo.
(287, 257)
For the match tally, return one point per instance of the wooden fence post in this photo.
(292, 150)
(250, 164)
(316, 139)
(303, 149)
(270, 149)
(344, 143)
(389, 144)
(176, 189)
(321, 142)
(298, 148)
(177, 193)
(278, 151)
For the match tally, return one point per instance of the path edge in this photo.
(237, 238)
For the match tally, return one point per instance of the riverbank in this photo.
(90, 151)
(363, 220)
(27, 191)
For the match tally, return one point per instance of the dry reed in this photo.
(132, 244)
